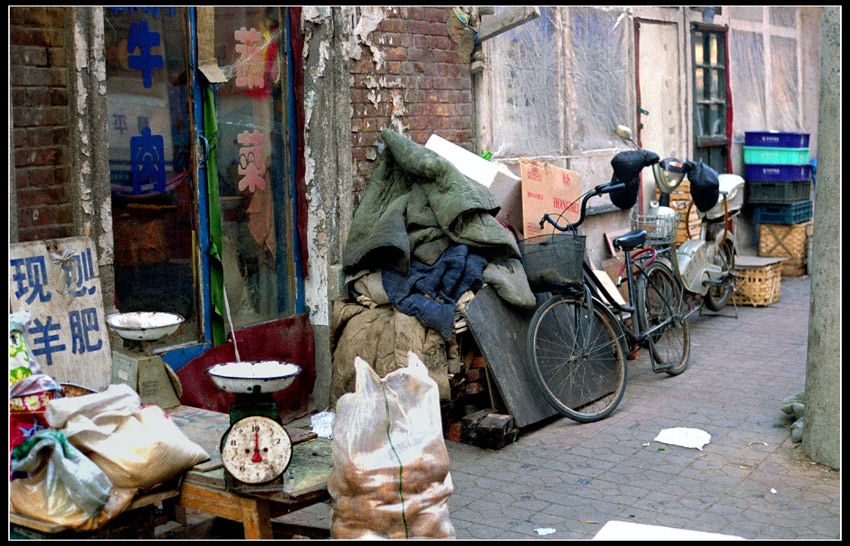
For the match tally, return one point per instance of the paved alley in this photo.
(751, 480)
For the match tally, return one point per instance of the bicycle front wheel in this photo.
(578, 357)
(659, 298)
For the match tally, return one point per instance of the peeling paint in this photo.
(369, 20)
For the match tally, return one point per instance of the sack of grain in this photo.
(391, 468)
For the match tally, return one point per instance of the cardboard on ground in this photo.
(547, 189)
(504, 184)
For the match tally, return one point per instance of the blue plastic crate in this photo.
(783, 214)
(776, 139)
(777, 173)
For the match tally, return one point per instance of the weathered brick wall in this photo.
(411, 79)
(40, 118)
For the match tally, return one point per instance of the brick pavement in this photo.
(575, 477)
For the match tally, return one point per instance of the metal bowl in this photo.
(144, 325)
(254, 377)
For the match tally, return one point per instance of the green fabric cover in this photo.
(418, 203)
(216, 267)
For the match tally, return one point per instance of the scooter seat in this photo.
(630, 240)
(732, 186)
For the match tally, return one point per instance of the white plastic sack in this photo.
(136, 447)
(390, 477)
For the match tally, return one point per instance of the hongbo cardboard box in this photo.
(504, 184)
(547, 189)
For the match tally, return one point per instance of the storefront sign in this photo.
(57, 282)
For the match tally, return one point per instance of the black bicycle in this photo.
(576, 343)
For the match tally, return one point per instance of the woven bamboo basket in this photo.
(785, 241)
(757, 285)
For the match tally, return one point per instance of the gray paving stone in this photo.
(563, 472)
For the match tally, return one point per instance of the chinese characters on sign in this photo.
(147, 154)
(250, 65)
(57, 282)
(252, 164)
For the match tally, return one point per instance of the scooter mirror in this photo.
(624, 132)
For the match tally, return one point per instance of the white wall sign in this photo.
(57, 282)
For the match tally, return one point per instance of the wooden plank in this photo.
(206, 428)
(502, 22)
(500, 331)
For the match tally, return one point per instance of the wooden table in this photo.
(203, 489)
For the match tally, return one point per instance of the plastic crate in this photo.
(783, 214)
(758, 155)
(778, 193)
(778, 173)
(776, 139)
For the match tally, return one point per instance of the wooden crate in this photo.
(785, 241)
(757, 280)
(679, 201)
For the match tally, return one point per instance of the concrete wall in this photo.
(367, 69)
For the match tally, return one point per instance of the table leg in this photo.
(256, 518)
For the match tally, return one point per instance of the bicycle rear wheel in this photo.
(659, 297)
(578, 358)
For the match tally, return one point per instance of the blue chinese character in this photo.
(34, 278)
(143, 39)
(147, 160)
(82, 322)
(43, 337)
(78, 275)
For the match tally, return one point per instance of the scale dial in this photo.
(256, 449)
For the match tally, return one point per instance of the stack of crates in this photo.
(778, 177)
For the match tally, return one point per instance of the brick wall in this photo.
(417, 86)
(40, 118)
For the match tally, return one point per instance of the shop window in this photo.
(710, 135)
(255, 200)
(152, 92)
(151, 175)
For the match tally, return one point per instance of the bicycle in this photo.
(577, 346)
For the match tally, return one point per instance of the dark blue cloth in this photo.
(430, 292)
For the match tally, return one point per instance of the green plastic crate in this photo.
(759, 155)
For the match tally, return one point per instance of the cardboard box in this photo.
(504, 184)
(547, 189)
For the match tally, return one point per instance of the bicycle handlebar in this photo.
(602, 189)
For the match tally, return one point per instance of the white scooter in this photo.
(705, 264)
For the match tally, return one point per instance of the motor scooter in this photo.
(706, 264)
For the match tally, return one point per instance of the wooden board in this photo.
(306, 475)
(206, 428)
(58, 283)
(500, 331)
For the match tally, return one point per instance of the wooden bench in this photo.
(202, 488)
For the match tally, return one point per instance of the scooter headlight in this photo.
(668, 173)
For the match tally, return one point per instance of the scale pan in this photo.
(144, 325)
(254, 377)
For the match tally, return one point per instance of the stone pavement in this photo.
(751, 480)
(575, 477)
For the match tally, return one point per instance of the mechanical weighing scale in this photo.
(136, 365)
(256, 449)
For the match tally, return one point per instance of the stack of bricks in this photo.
(40, 121)
(410, 79)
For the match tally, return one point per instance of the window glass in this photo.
(252, 161)
(149, 148)
(783, 16)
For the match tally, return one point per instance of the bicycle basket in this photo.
(553, 261)
(660, 229)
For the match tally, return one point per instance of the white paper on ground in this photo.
(684, 437)
(322, 423)
(545, 531)
(624, 530)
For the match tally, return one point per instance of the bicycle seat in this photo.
(630, 240)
